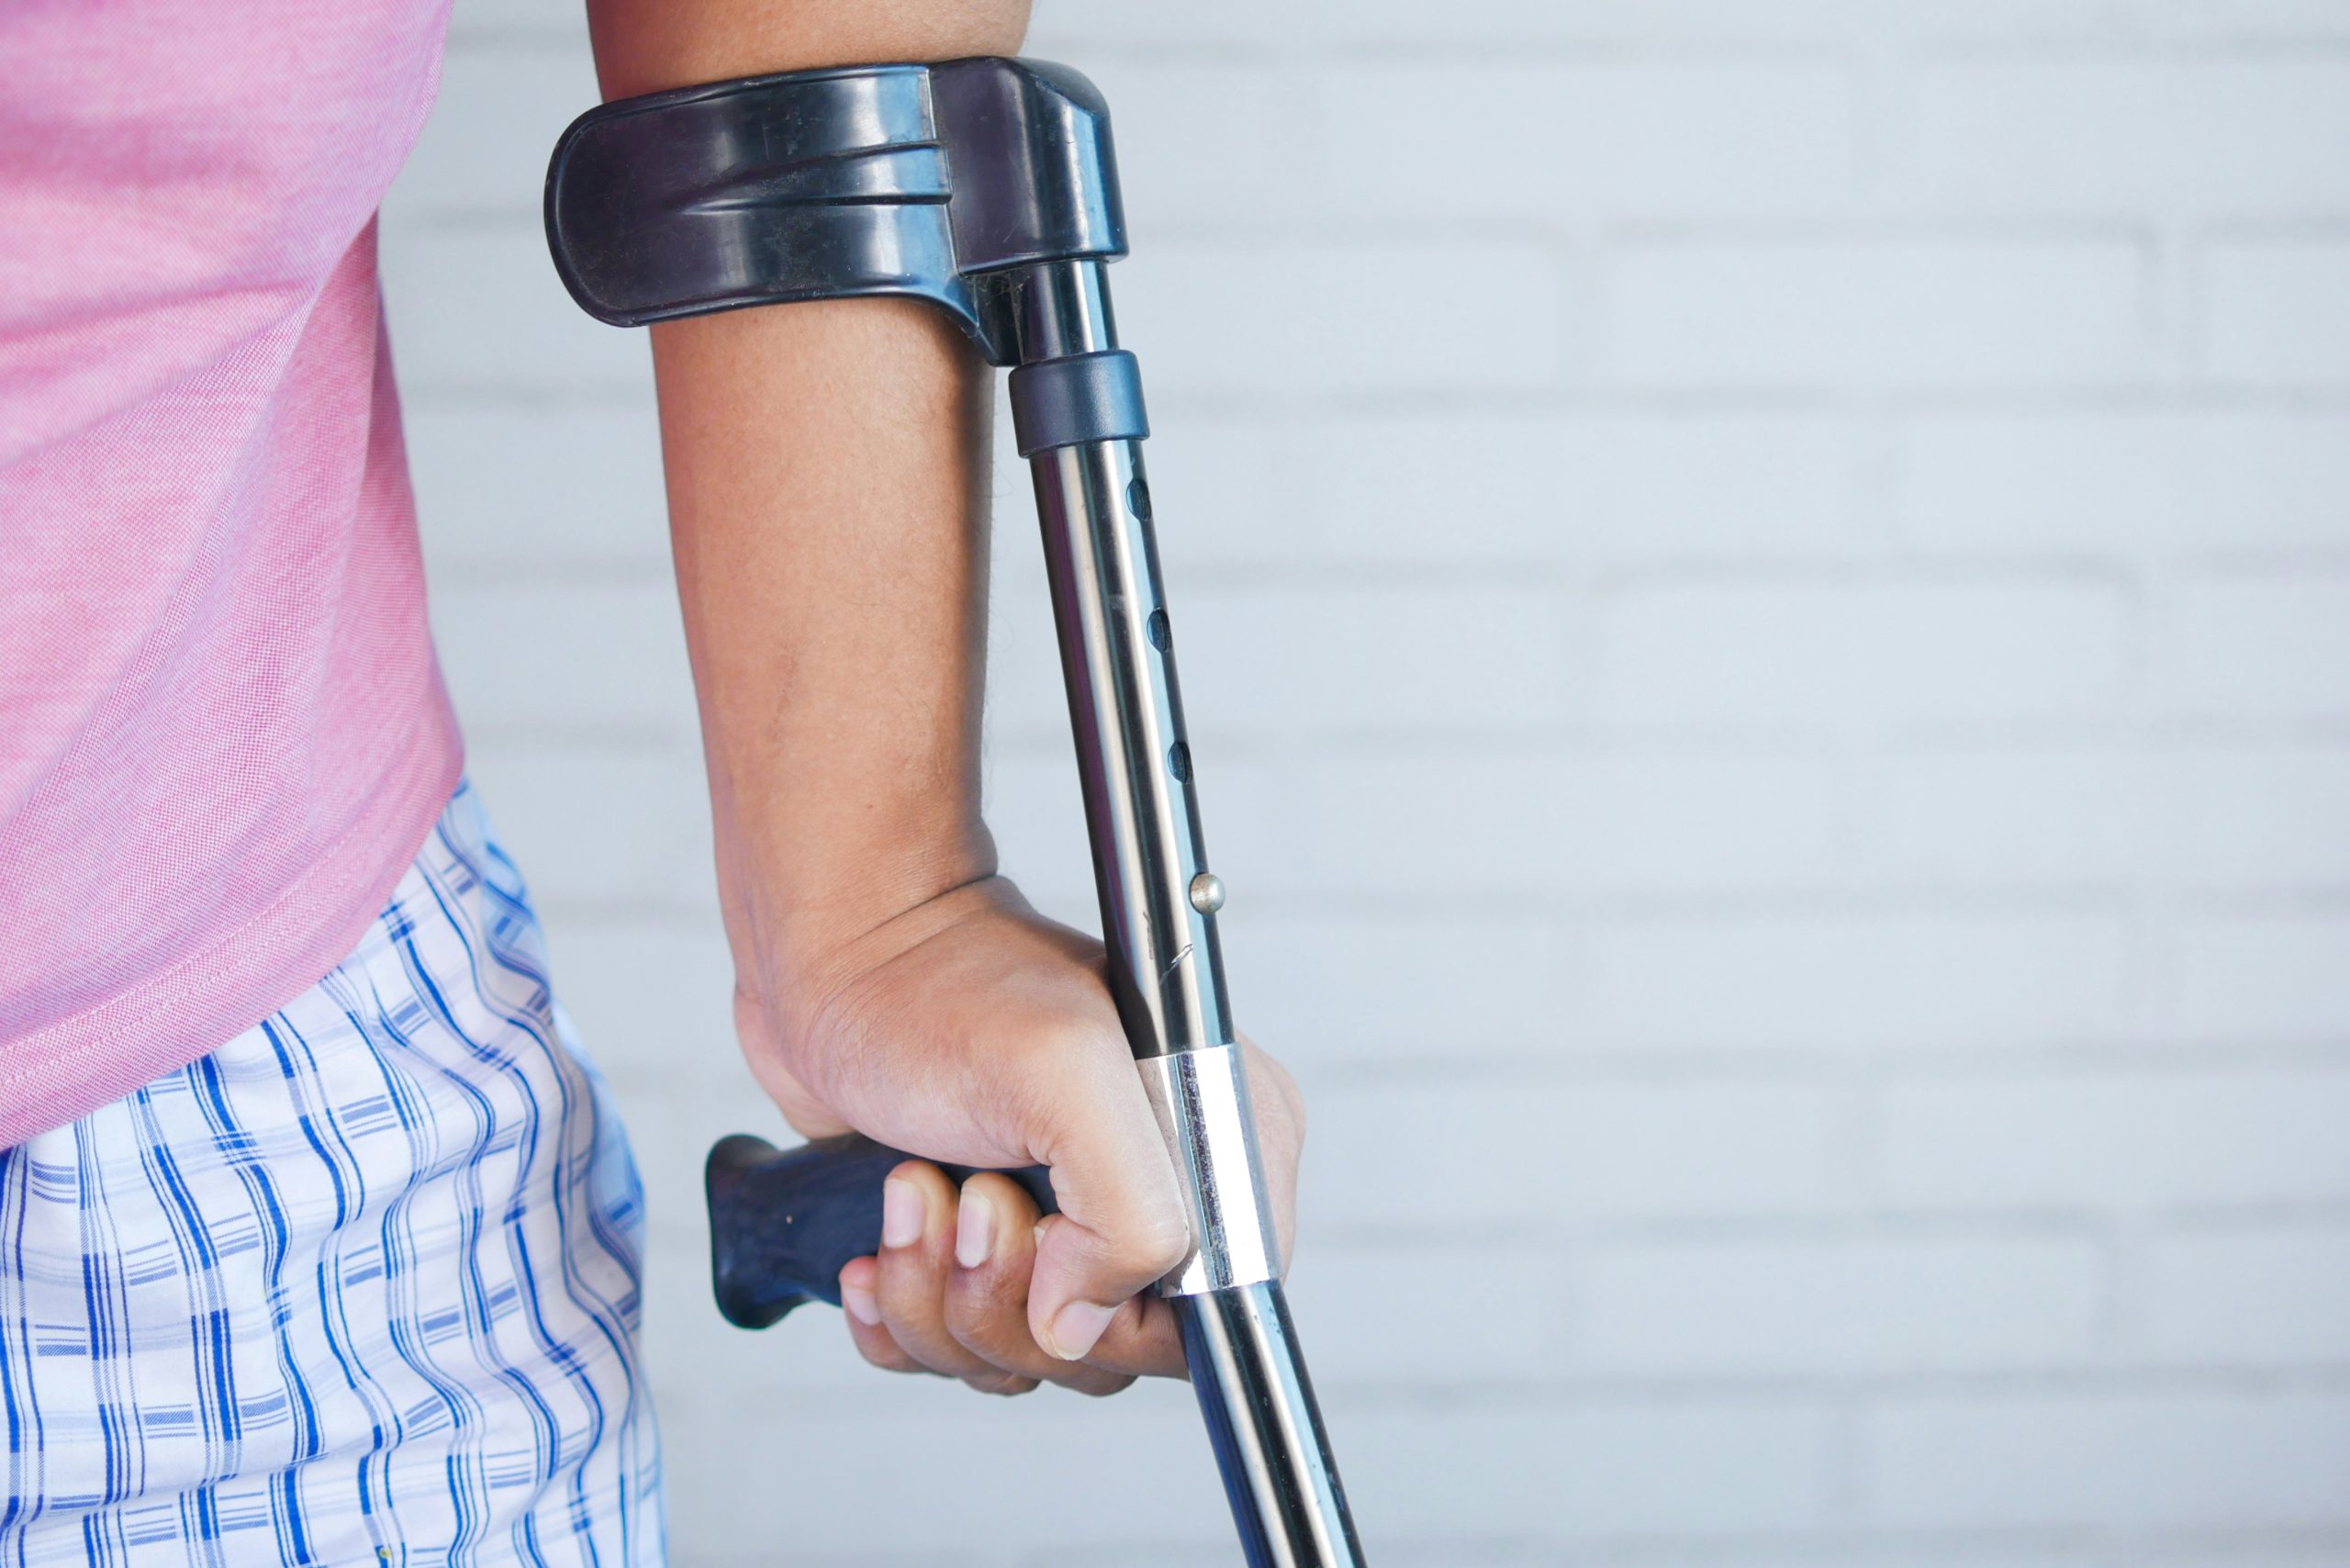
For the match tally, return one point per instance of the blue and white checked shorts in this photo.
(360, 1287)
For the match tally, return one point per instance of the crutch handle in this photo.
(784, 1222)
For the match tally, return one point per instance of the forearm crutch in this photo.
(988, 188)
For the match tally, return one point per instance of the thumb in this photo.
(1122, 1227)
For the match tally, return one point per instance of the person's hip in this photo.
(359, 1286)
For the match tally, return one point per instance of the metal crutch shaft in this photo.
(988, 188)
(1158, 909)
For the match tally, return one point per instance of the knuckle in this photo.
(1003, 1385)
(976, 1304)
(1162, 1242)
(889, 1358)
(910, 1289)
(968, 1327)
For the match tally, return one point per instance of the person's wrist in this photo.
(820, 935)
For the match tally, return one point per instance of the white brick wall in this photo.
(1765, 596)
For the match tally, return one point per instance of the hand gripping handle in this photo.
(783, 1223)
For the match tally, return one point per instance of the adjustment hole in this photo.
(1138, 498)
(1178, 761)
(1156, 628)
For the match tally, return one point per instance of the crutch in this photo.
(988, 188)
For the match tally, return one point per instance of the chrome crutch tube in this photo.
(1159, 901)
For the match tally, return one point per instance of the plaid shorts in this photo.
(359, 1287)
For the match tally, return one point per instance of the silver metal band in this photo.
(1201, 1098)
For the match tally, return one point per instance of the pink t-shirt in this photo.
(222, 732)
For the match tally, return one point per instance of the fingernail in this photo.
(901, 1213)
(974, 1230)
(861, 1304)
(1077, 1327)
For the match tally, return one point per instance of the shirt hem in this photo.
(278, 954)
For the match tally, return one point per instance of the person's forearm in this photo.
(827, 472)
(827, 500)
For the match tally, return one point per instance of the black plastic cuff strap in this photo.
(932, 181)
(1087, 396)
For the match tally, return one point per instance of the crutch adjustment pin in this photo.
(1207, 892)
